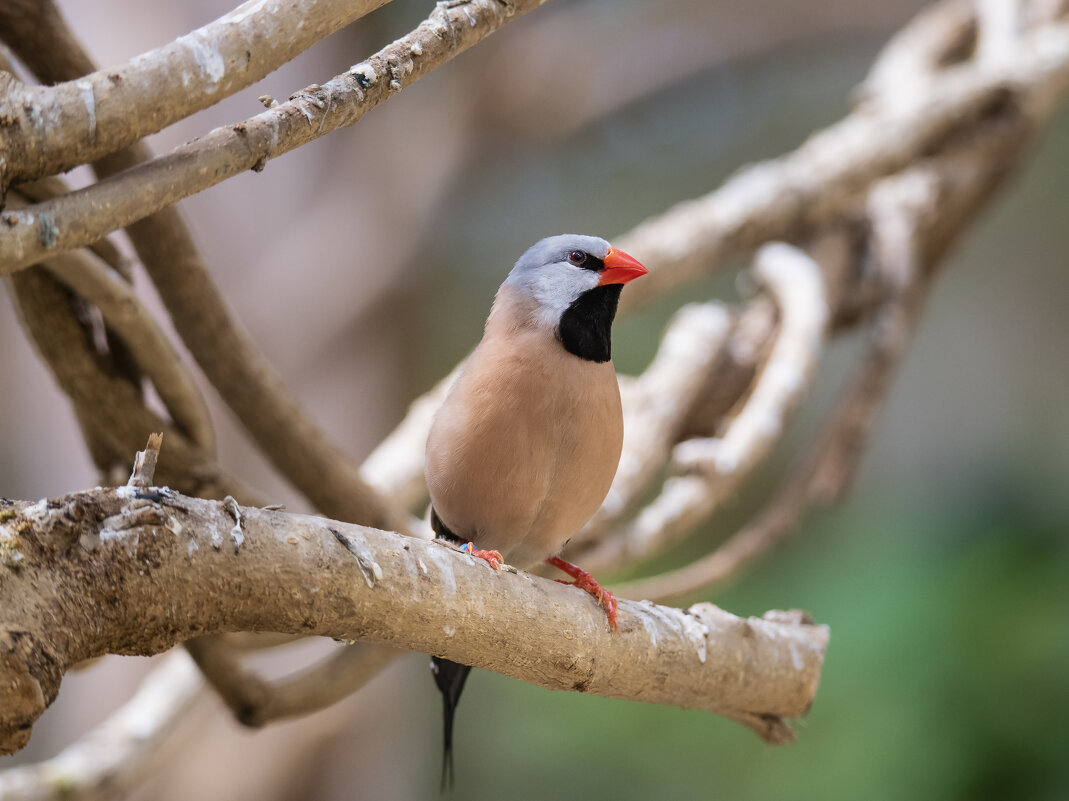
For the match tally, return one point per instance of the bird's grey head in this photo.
(556, 270)
(572, 284)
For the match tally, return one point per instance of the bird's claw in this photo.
(586, 581)
(491, 557)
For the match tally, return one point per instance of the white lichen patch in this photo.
(128, 538)
(640, 613)
(796, 658)
(654, 618)
(85, 89)
(449, 630)
(215, 538)
(444, 562)
(694, 631)
(364, 74)
(206, 57)
(192, 547)
(416, 48)
(38, 512)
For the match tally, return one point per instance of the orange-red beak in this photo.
(620, 268)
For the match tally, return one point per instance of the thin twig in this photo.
(145, 463)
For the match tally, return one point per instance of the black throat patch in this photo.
(585, 328)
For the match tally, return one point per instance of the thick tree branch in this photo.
(135, 571)
(59, 127)
(82, 217)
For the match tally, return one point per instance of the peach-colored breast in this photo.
(525, 447)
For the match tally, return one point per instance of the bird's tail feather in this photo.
(450, 677)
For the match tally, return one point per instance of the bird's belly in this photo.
(525, 476)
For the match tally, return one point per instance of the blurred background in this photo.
(364, 265)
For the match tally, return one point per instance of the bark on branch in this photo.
(54, 128)
(82, 217)
(135, 570)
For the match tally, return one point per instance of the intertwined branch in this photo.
(849, 231)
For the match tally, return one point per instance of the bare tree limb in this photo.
(243, 377)
(257, 702)
(716, 467)
(656, 403)
(115, 757)
(84, 216)
(110, 410)
(59, 127)
(125, 314)
(143, 569)
(822, 178)
(779, 196)
(910, 240)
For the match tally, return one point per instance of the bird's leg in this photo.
(585, 581)
(492, 558)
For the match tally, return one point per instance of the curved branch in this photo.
(125, 314)
(718, 466)
(909, 242)
(109, 409)
(657, 403)
(88, 214)
(59, 127)
(115, 757)
(255, 701)
(823, 177)
(143, 569)
(247, 382)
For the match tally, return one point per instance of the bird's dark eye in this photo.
(577, 257)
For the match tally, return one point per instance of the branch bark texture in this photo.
(55, 128)
(135, 570)
(83, 217)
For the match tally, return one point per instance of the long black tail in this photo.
(450, 678)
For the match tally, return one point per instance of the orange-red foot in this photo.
(585, 581)
(492, 558)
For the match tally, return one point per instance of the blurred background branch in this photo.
(872, 204)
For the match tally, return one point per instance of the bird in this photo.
(525, 446)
